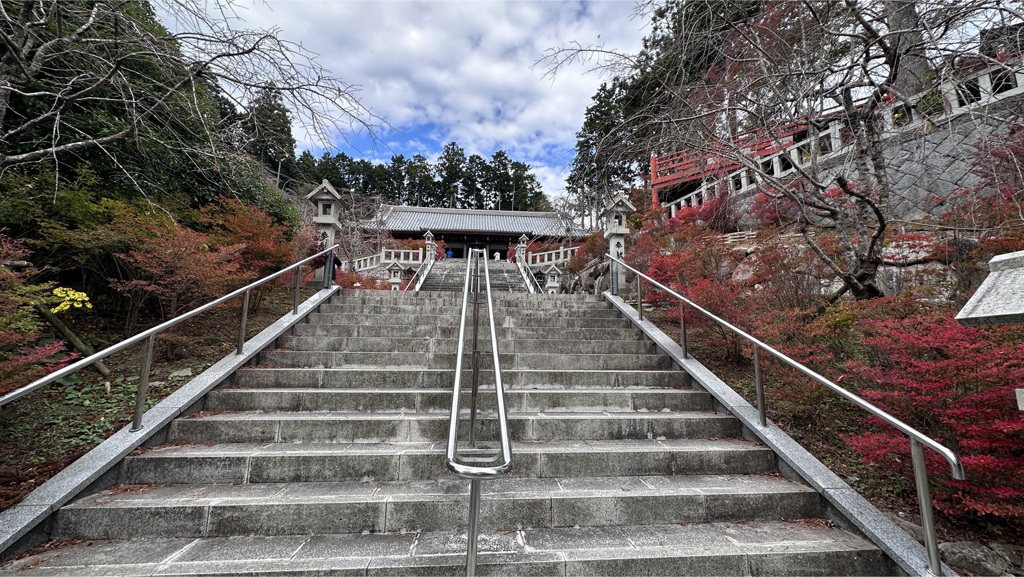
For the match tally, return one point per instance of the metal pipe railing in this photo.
(150, 336)
(531, 281)
(476, 467)
(420, 275)
(918, 440)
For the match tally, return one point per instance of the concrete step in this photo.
(453, 320)
(768, 547)
(433, 308)
(424, 461)
(200, 510)
(439, 400)
(405, 330)
(517, 299)
(353, 427)
(450, 345)
(509, 361)
(397, 378)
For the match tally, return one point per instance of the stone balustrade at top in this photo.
(557, 256)
(407, 257)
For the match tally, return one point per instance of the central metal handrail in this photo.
(150, 335)
(917, 438)
(477, 466)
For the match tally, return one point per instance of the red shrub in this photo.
(955, 384)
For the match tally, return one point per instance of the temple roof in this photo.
(415, 219)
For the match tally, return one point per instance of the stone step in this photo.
(516, 299)
(424, 461)
(200, 510)
(456, 309)
(405, 330)
(427, 400)
(770, 547)
(443, 345)
(349, 427)
(397, 378)
(453, 320)
(509, 361)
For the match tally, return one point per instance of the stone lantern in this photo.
(395, 271)
(521, 249)
(615, 230)
(430, 247)
(328, 208)
(552, 279)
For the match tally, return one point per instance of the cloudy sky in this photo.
(439, 71)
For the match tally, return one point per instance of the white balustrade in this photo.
(552, 256)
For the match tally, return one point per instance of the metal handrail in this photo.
(917, 439)
(416, 275)
(528, 278)
(475, 468)
(150, 336)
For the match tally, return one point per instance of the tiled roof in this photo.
(439, 220)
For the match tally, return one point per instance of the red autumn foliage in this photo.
(956, 384)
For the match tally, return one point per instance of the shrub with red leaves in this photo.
(955, 384)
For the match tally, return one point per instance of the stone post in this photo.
(521, 250)
(615, 230)
(327, 201)
(431, 247)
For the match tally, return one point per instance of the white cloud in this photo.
(439, 71)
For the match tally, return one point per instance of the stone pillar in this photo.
(521, 250)
(615, 230)
(431, 247)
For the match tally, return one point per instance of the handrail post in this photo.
(476, 354)
(298, 283)
(682, 330)
(759, 382)
(329, 270)
(474, 527)
(140, 394)
(614, 270)
(241, 328)
(924, 501)
(640, 297)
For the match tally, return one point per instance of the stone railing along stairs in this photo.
(327, 457)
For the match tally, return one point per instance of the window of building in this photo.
(902, 114)
(1003, 81)
(768, 166)
(825, 143)
(785, 163)
(968, 92)
(737, 181)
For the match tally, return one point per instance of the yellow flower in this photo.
(70, 298)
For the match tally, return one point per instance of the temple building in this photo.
(462, 229)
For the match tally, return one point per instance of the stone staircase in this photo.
(327, 458)
(449, 275)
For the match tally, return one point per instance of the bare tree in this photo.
(78, 76)
(799, 99)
